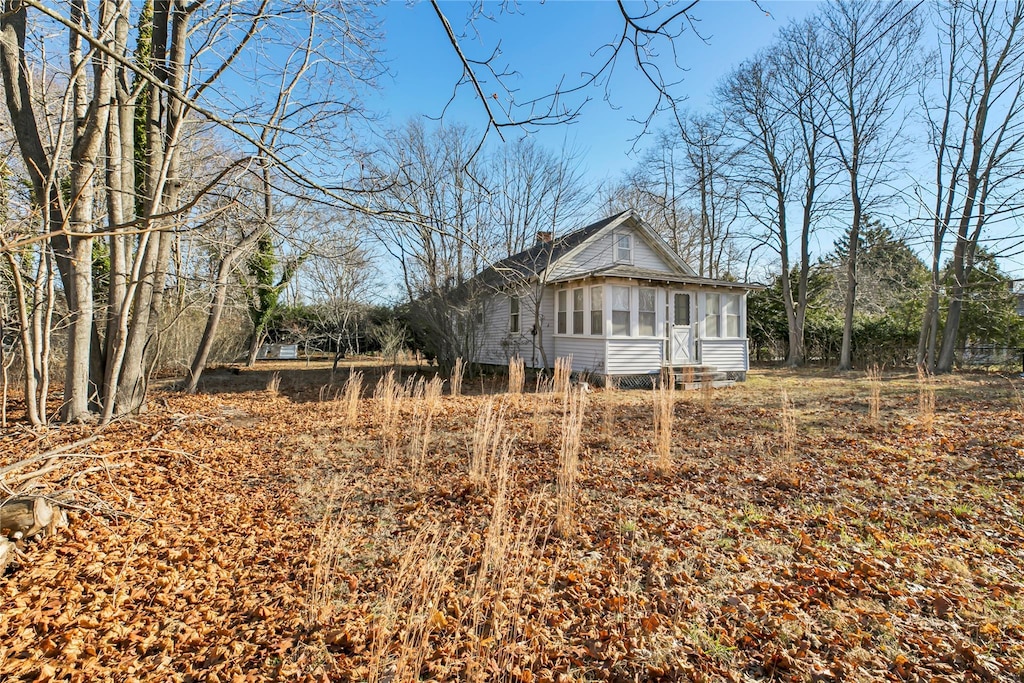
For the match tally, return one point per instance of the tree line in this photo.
(180, 179)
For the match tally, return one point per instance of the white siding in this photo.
(599, 254)
(635, 356)
(725, 354)
(496, 343)
(587, 353)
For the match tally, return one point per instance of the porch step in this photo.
(696, 377)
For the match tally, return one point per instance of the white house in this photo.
(615, 297)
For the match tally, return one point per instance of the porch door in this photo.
(682, 328)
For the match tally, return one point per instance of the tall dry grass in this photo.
(412, 607)
(540, 416)
(327, 552)
(424, 411)
(516, 375)
(707, 391)
(664, 401)
(274, 384)
(458, 371)
(350, 397)
(874, 375)
(609, 396)
(389, 396)
(787, 427)
(925, 398)
(574, 408)
(488, 443)
(563, 373)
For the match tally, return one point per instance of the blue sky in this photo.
(545, 42)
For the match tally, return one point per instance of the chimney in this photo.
(544, 237)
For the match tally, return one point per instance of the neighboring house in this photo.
(615, 297)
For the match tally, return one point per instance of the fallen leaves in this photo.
(877, 552)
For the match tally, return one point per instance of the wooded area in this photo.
(155, 224)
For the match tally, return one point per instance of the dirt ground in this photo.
(253, 534)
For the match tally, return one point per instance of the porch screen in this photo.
(563, 302)
(577, 311)
(682, 309)
(620, 310)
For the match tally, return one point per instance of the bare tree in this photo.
(121, 127)
(976, 131)
(870, 50)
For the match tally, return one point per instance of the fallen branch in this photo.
(60, 450)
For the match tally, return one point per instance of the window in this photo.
(712, 327)
(648, 316)
(563, 306)
(731, 315)
(620, 311)
(723, 316)
(480, 315)
(623, 248)
(681, 314)
(513, 314)
(597, 310)
(577, 311)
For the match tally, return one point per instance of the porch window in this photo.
(577, 311)
(624, 248)
(562, 315)
(620, 311)
(513, 314)
(731, 314)
(723, 316)
(647, 310)
(597, 310)
(712, 320)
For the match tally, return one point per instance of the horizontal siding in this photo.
(495, 344)
(598, 254)
(587, 353)
(635, 356)
(724, 354)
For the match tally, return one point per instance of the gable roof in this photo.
(540, 257)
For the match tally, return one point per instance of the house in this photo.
(615, 297)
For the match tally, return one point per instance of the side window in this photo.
(597, 310)
(563, 305)
(577, 311)
(731, 315)
(624, 248)
(513, 314)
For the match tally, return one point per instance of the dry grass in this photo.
(330, 542)
(787, 427)
(458, 371)
(516, 375)
(609, 397)
(409, 613)
(274, 384)
(664, 401)
(488, 442)
(707, 391)
(874, 393)
(925, 398)
(562, 375)
(424, 411)
(350, 397)
(389, 396)
(540, 416)
(574, 408)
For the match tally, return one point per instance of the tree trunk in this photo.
(28, 516)
(846, 352)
